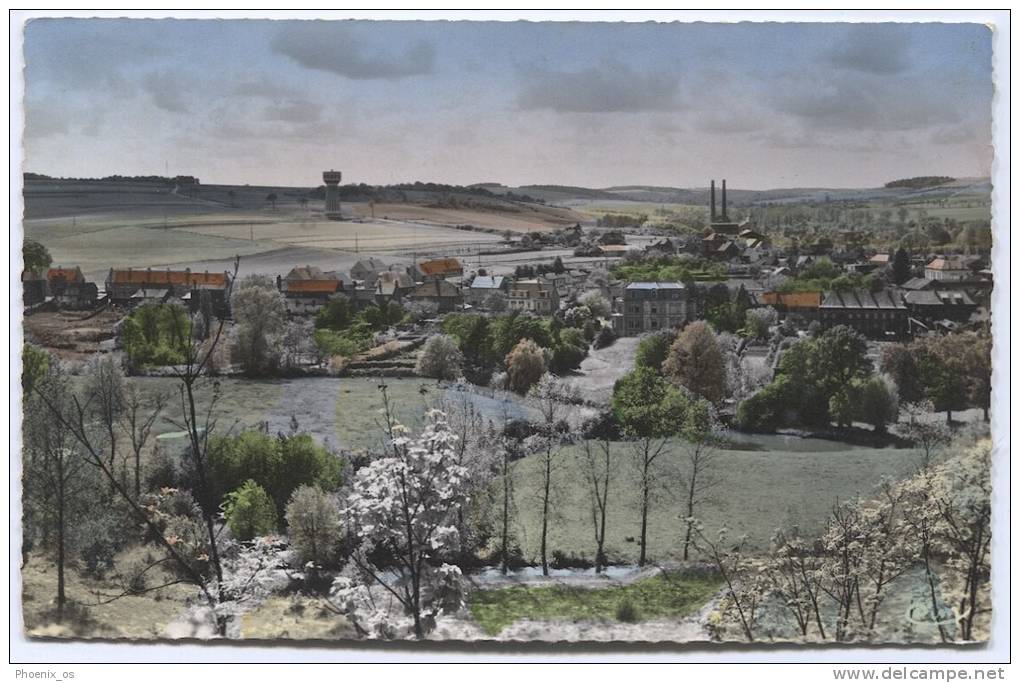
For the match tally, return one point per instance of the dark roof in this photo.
(918, 283)
(862, 299)
(938, 298)
(655, 285)
(435, 289)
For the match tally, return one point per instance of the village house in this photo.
(367, 269)
(534, 296)
(877, 315)
(392, 285)
(70, 290)
(931, 306)
(651, 306)
(485, 286)
(132, 287)
(446, 296)
(949, 268)
(438, 269)
(307, 289)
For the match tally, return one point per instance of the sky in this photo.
(765, 105)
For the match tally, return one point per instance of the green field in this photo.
(663, 595)
(757, 492)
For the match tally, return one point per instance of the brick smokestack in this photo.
(713, 201)
(724, 216)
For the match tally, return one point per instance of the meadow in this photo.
(757, 492)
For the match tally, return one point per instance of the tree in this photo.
(56, 486)
(697, 477)
(649, 410)
(597, 304)
(979, 372)
(569, 349)
(878, 404)
(525, 365)
(35, 363)
(439, 358)
(105, 388)
(35, 255)
(653, 349)
(404, 506)
(599, 466)
(901, 266)
(314, 526)
(696, 362)
(899, 363)
(260, 317)
(271, 198)
(943, 368)
(250, 512)
(336, 314)
(759, 321)
(550, 394)
(928, 434)
(138, 418)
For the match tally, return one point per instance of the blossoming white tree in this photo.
(401, 514)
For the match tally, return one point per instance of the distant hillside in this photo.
(921, 182)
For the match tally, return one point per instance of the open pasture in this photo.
(758, 491)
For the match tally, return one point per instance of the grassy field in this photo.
(757, 492)
(663, 595)
(94, 615)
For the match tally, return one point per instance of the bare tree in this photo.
(105, 388)
(54, 479)
(697, 477)
(599, 468)
(550, 394)
(138, 418)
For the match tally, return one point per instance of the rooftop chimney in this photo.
(724, 216)
(713, 201)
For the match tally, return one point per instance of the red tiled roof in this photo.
(65, 274)
(167, 277)
(312, 286)
(793, 299)
(440, 266)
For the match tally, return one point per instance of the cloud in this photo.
(43, 120)
(168, 91)
(611, 87)
(293, 111)
(857, 102)
(262, 89)
(328, 46)
(873, 49)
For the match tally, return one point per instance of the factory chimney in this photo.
(724, 216)
(713, 201)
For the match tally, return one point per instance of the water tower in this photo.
(332, 180)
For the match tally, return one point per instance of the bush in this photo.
(278, 464)
(597, 304)
(439, 358)
(99, 536)
(313, 525)
(653, 349)
(156, 334)
(627, 612)
(569, 351)
(604, 338)
(525, 365)
(250, 512)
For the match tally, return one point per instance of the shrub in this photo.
(250, 512)
(156, 334)
(525, 365)
(604, 338)
(652, 350)
(313, 525)
(597, 304)
(278, 464)
(439, 358)
(627, 612)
